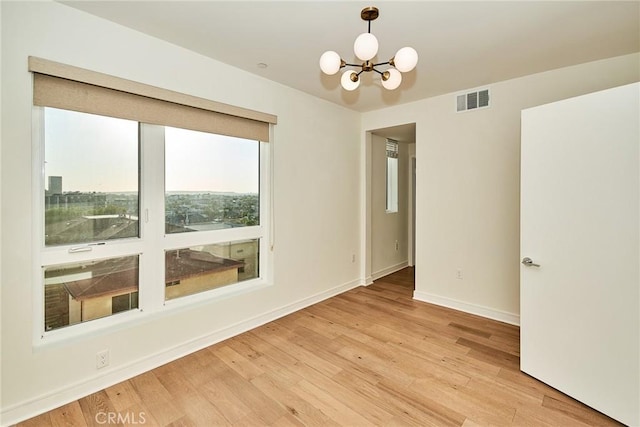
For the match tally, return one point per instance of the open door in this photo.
(580, 249)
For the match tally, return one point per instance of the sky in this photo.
(95, 153)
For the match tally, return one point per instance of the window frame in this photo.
(149, 246)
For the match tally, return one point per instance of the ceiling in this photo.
(461, 45)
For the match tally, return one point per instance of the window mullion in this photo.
(266, 206)
(38, 220)
(151, 296)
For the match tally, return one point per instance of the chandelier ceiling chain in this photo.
(366, 48)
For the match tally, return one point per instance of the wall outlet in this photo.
(102, 359)
(353, 257)
(397, 246)
(459, 273)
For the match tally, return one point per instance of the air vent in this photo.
(472, 100)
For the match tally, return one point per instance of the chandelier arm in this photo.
(382, 63)
(379, 72)
(354, 65)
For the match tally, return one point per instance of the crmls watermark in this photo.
(128, 418)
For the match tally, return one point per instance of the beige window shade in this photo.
(67, 87)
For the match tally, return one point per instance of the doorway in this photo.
(389, 232)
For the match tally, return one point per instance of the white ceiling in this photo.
(461, 45)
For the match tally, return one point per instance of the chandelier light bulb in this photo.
(330, 62)
(350, 80)
(366, 46)
(393, 79)
(406, 59)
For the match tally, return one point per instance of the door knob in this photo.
(528, 262)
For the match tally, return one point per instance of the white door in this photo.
(580, 222)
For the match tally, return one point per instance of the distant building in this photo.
(75, 200)
(189, 272)
(244, 251)
(55, 185)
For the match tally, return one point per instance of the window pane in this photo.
(392, 175)
(197, 269)
(76, 293)
(212, 181)
(91, 168)
(392, 184)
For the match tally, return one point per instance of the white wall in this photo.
(387, 228)
(317, 223)
(468, 181)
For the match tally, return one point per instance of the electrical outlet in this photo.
(102, 359)
(397, 246)
(459, 273)
(353, 257)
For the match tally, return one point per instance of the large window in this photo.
(137, 213)
(92, 181)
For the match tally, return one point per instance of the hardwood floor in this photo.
(371, 356)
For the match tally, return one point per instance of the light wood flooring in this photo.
(371, 356)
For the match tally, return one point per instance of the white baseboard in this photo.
(72, 392)
(490, 313)
(389, 270)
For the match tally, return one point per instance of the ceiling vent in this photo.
(472, 100)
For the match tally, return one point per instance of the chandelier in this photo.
(366, 48)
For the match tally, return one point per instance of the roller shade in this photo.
(72, 88)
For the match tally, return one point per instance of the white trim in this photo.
(389, 270)
(365, 208)
(411, 212)
(489, 313)
(75, 391)
(152, 216)
(37, 199)
(268, 188)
